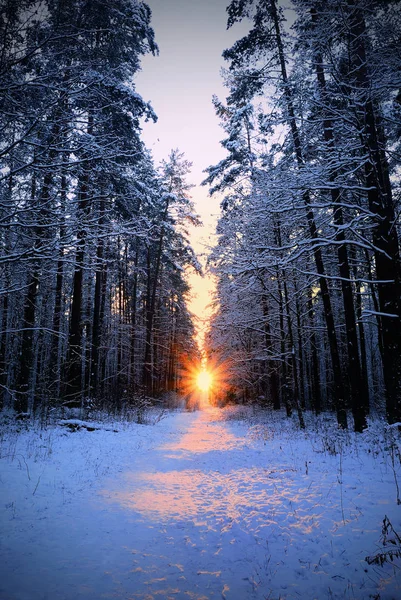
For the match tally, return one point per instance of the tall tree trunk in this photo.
(358, 385)
(134, 305)
(381, 204)
(21, 402)
(361, 332)
(97, 323)
(375, 305)
(270, 366)
(151, 303)
(172, 350)
(27, 354)
(74, 384)
(55, 359)
(4, 336)
(313, 231)
(149, 315)
(293, 357)
(300, 347)
(284, 369)
(315, 387)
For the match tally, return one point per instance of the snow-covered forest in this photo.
(151, 452)
(93, 236)
(308, 310)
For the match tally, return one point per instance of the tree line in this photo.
(308, 301)
(93, 241)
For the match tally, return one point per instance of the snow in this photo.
(220, 503)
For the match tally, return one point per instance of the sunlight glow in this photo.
(204, 381)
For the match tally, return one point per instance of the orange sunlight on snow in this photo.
(255, 496)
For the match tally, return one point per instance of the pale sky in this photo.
(179, 83)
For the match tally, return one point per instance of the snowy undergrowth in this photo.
(42, 468)
(361, 472)
(231, 503)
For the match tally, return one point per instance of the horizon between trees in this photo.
(94, 247)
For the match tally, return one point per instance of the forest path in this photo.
(191, 502)
(193, 508)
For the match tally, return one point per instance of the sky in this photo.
(180, 83)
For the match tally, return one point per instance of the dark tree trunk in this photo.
(55, 359)
(134, 304)
(375, 305)
(381, 204)
(74, 355)
(26, 351)
(152, 284)
(300, 348)
(358, 384)
(317, 253)
(284, 370)
(362, 342)
(3, 348)
(97, 323)
(294, 366)
(147, 363)
(74, 385)
(4, 338)
(315, 387)
(27, 354)
(270, 364)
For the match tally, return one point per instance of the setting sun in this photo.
(204, 381)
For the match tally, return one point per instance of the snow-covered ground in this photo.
(199, 505)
